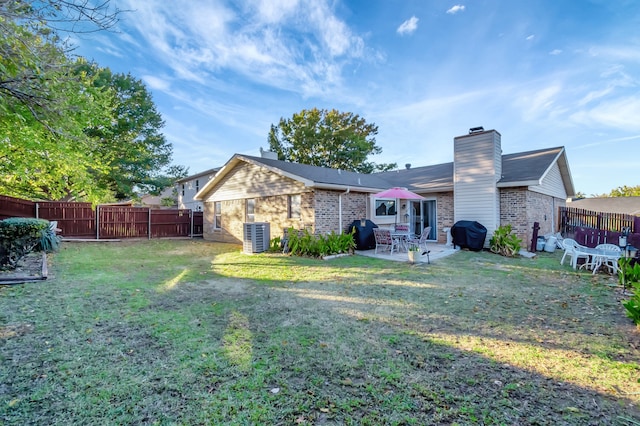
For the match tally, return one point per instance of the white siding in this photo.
(477, 168)
(552, 184)
(250, 181)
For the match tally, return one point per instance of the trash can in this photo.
(550, 245)
(540, 243)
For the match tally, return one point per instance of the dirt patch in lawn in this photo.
(31, 267)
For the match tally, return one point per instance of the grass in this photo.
(190, 332)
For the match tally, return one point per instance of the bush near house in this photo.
(306, 244)
(504, 242)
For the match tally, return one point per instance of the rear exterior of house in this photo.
(252, 193)
(481, 184)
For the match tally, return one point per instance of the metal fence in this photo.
(81, 220)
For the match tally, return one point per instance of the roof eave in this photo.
(514, 184)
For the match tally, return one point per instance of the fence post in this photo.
(37, 211)
(98, 222)
(191, 216)
(149, 222)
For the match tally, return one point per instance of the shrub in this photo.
(629, 276)
(304, 243)
(18, 237)
(504, 242)
(49, 241)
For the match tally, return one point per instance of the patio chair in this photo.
(421, 242)
(384, 240)
(570, 245)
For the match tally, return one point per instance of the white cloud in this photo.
(408, 26)
(555, 52)
(621, 113)
(455, 9)
(290, 45)
(531, 37)
(156, 83)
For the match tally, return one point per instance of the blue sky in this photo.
(543, 73)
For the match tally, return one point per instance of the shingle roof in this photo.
(627, 205)
(323, 175)
(524, 168)
(527, 166)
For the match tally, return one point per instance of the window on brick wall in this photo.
(385, 207)
(293, 208)
(250, 215)
(217, 215)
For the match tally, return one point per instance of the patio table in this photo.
(402, 238)
(597, 258)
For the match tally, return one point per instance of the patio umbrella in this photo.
(398, 193)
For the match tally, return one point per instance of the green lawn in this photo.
(190, 332)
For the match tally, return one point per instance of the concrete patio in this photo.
(438, 251)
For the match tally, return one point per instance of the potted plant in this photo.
(414, 253)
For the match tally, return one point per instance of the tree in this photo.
(68, 128)
(132, 145)
(44, 109)
(340, 140)
(625, 191)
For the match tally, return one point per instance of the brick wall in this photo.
(354, 207)
(444, 205)
(272, 209)
(521, 208)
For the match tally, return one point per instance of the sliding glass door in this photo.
(422, 214)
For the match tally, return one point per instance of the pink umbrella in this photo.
(398, 192)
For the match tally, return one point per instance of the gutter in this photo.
(340, 209)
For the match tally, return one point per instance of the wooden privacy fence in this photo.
(80, 220)
(591, 228)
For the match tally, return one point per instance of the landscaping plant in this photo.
(18, 237)
(629, 276)
(504, 242)
(305, 243)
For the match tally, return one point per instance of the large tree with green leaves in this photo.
(340, 140)
(133, 145)
(69, 129)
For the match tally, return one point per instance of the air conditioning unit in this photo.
(256, 237)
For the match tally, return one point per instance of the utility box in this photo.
(256, 237)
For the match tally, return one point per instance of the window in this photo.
(251, 210)
(183, 189)
(293, 209)
(385, 207)
(197, 185)
(217, 215)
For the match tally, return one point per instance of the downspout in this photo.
(340, 209)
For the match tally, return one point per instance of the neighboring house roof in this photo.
(626, 205)
(521, 169)
(197, 175)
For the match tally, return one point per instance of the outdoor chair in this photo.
(570, 249)
(421, 242)
(384, 240)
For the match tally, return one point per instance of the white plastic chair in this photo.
(571, 247)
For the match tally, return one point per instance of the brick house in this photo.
(480, 184)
